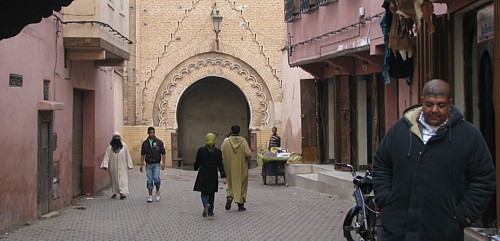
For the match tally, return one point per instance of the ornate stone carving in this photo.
(259, 111)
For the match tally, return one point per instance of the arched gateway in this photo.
(212, 104)
(209, 93)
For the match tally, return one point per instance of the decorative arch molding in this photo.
(227, 67)
(242, 56)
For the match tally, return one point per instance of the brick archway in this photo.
(205, 65)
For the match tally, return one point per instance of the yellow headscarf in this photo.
(210, 141)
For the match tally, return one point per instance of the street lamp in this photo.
(217, 20)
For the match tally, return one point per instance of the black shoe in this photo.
(228, 203)
(122, 196)
(113, 196)
(205, 210)
(210, 214)
(241, 207)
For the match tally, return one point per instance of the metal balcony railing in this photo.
(292, 10)
(326, 2)
(308, 5)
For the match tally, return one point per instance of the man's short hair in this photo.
(437, 87)
(151, 129)
(235, 129)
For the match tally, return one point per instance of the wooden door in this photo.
(343, 122)
(45, 164)
(309, 117)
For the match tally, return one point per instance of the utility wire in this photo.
(92, 22)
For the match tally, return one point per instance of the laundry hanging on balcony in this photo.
(397, 27)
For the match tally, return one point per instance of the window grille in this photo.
(292, 10)
(307, 5)
(326, 2)
(15, 80)
(46, 84)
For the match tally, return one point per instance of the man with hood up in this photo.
(433, 174)
(208, 161)
(235, 152)
(117, 160)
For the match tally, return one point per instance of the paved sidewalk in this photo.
(274, 212)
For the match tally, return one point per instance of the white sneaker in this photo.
(150, 199)
(158, 196)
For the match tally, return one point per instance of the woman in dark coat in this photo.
(208, 161)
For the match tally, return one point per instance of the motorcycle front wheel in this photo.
(354, 229)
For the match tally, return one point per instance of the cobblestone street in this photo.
(274, 212)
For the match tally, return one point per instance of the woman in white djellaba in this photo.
(117, 160)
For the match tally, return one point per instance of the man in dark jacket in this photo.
(208, 161)
(274, 140)
(153, 152)
(433, 173)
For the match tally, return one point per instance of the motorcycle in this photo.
(362, 221)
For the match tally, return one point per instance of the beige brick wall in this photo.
(263, 138)
(174, 38)
(133, 136)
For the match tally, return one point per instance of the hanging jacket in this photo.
(395, 65)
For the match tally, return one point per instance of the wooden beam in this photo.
(110, 62)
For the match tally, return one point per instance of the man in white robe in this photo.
(117, 160)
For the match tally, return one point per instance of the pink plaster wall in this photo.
(292, 123)
(37, 54)
(405, 95)
(391, 113)
(329, 18)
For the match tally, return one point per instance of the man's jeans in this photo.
(153, 174)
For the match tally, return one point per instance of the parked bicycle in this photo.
(362, 222)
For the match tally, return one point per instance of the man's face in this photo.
(274, 131)
(436, 109)
(151, 134)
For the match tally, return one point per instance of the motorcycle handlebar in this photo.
(351, 168)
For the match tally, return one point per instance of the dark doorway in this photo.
(469, 45)
(486, 109)
(478, 93)
(212, 104)
(487, 122)
(77, 142)
(369, 122)
(45, 164)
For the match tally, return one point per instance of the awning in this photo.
(16, 14)
(50, 105)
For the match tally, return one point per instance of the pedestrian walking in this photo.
(235, 152)
(208, 161)
(433, 173)
(153, 153)
(117, 160)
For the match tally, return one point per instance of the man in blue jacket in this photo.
(433, 173)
